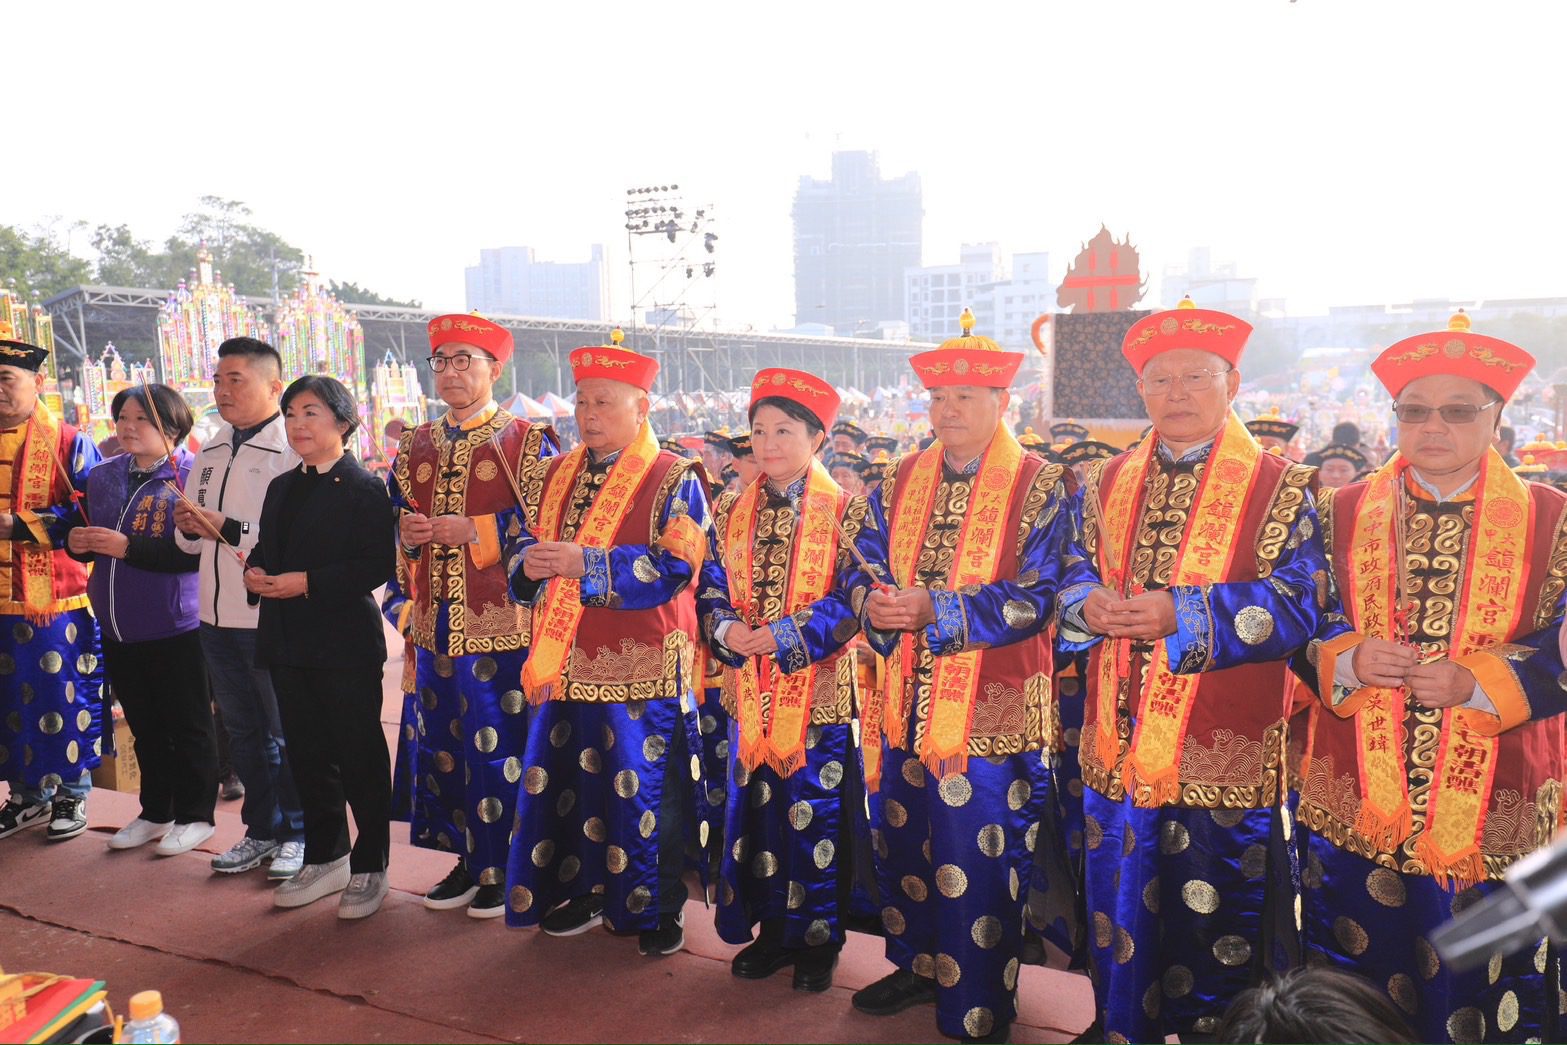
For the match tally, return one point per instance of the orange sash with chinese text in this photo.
(1490, 607)
(555, 623)
(955, 679)
(781, 743)
(1152, 773)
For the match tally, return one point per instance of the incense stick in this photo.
(200, 514)
(516, 488)
(76, 495)
(864, 564)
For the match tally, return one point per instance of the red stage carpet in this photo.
(233, 968)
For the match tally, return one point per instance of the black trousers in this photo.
(337, 752)
(162, 685)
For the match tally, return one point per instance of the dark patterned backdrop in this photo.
(1092, 378)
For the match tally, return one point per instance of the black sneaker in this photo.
(18, 816)
(455, 890)
(894, 992)
(68, 818)
(488, 902)
(577, 915)
(229, 788)
(668, 938)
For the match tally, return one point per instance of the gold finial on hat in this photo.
(1460, 321)
(966, 321)
(1186, 302)
(616, 336)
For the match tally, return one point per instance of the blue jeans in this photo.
(33, 795)
(244, 695)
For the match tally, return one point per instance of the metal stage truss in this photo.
(86, 318)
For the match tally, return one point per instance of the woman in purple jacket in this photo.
(143, 589)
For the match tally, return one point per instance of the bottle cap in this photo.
(146, 1005)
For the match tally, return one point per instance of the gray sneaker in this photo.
(312, 883)
(363, 896)
(288, 861)
(247, 853)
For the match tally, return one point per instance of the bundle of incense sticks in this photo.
(200, 514)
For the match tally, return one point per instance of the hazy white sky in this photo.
(1344, 151)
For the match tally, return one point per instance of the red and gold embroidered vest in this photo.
(623, 655)
(463, 475)
(1013, 708)
(38, 581)
(1232, 754)
(1524, 803)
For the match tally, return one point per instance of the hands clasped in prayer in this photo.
(418, 530)
(554, 559)
(907, 609)
(289, 585)
(750, 642)
(1442, 684)
(98, 540)
(1149, 616)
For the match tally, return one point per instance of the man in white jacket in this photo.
(229, 483)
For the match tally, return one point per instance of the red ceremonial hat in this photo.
(471, 329)
(971, 359)
(1495, 363)
(614, 363)
(808, 390)
(1186, 326)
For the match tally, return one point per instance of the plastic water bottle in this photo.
(149, 1023)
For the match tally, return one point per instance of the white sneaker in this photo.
(182, 838)
(138, 833)
(363, 896)
(312, 883)
(244, 854)
(288, 862)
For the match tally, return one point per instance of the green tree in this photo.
(250, 258)
(125, 261)
(36, 266)
(354, 294)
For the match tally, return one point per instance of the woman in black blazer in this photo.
(326, 544)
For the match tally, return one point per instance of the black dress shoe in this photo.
(760, 959)
(813, 967)
(895, 992)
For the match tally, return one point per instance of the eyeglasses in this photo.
(1191, 381)
(458, 362)
(1452, 413)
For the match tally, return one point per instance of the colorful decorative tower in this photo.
(395, 392)
(104, 378)
(317, 334)
(30, 323)
(200, 314)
